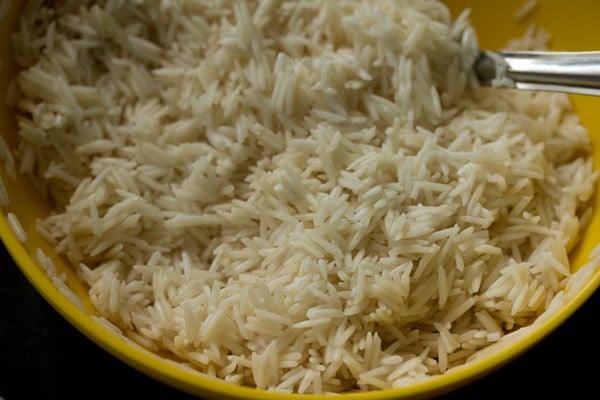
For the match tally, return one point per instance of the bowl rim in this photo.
(194, 382)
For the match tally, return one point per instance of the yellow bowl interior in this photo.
(571, 29)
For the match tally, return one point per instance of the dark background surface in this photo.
(43, 357)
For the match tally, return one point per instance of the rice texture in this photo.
(297, 196)
(16, 227)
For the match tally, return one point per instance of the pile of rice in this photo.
(297, 196)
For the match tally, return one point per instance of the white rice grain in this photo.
(4, 199)
(525, 10)
(16, 227)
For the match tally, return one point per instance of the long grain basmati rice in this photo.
(526, 9)
(298, 196)
(4, 199)
(16, 227)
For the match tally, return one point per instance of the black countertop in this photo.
(43, 357)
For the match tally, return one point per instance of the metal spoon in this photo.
(567, 72)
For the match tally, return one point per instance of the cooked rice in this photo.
(526, 9)
(16, 227)
(297, 196)
(58, 280)
(4, 199)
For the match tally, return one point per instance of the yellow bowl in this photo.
(495, 23)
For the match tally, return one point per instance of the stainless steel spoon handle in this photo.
(568, 72)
